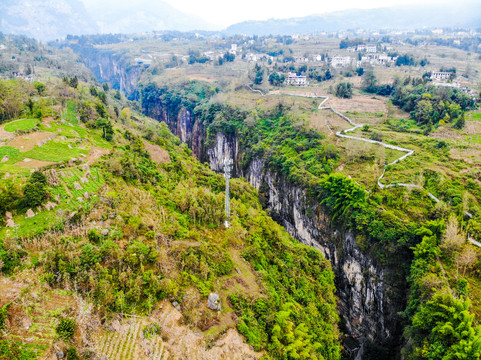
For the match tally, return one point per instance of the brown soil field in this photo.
(95, 153)
(9, 290)
(159, 155)
(318, 122)
(472, 127)
(6, 135)
(470, 155)
(34, 164)
(47, 120)
(359, 103)
(28, 142)
(201, 77)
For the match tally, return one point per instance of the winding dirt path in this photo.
(342, 134)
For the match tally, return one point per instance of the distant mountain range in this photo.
(45, 19)
(52, 19)
(465, 14)
(113, 16)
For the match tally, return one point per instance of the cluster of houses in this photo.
(372, 59)
(441, 75)
(363, 48)
(458, 86)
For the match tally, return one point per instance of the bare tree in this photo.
(466, 258)
(453, 238)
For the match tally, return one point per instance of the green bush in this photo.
(94, 235)
(151, 330)
(89, 255)
(34, 191)
(66, 329)
(14, 350)
(4, 315)
(72, 353)
(344, 90)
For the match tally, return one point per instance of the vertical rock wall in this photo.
(369, 305)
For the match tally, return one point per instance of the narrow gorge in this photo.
(371, 293)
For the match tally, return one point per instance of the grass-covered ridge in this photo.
(127, 232)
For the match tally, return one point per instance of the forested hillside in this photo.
(420, 240)
(117, 212)
(355, 199)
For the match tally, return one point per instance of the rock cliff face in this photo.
(122, 73)
(368, 303)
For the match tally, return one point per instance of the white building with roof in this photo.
(296, 80)
(341, 61)
(440, 75)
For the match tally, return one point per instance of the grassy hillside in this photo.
(107, 215)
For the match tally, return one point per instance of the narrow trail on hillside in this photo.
(342, 134)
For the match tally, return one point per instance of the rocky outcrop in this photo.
(224, 147)
(213, 302)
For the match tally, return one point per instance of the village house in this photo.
(296, 80)
(376, 59)
(385, 59)
(440, 75)
(371, 48)
(361, 47)
(341, 61)
(302, 60)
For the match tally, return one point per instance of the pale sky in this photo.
(226, 12)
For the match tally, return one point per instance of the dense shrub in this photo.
(34, 191)
(344, 90)
(4, 315)
(66, 329)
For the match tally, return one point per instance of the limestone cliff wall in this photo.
(369, 304)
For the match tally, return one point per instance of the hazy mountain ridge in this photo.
(143, 16)
(52, 19)
(396, 17)
(45, 19)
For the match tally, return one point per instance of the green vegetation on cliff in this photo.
(393, 225)
(150, 227)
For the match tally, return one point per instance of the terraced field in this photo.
(76, 189)
(127, 342)
(33, 313)
(28, 144)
